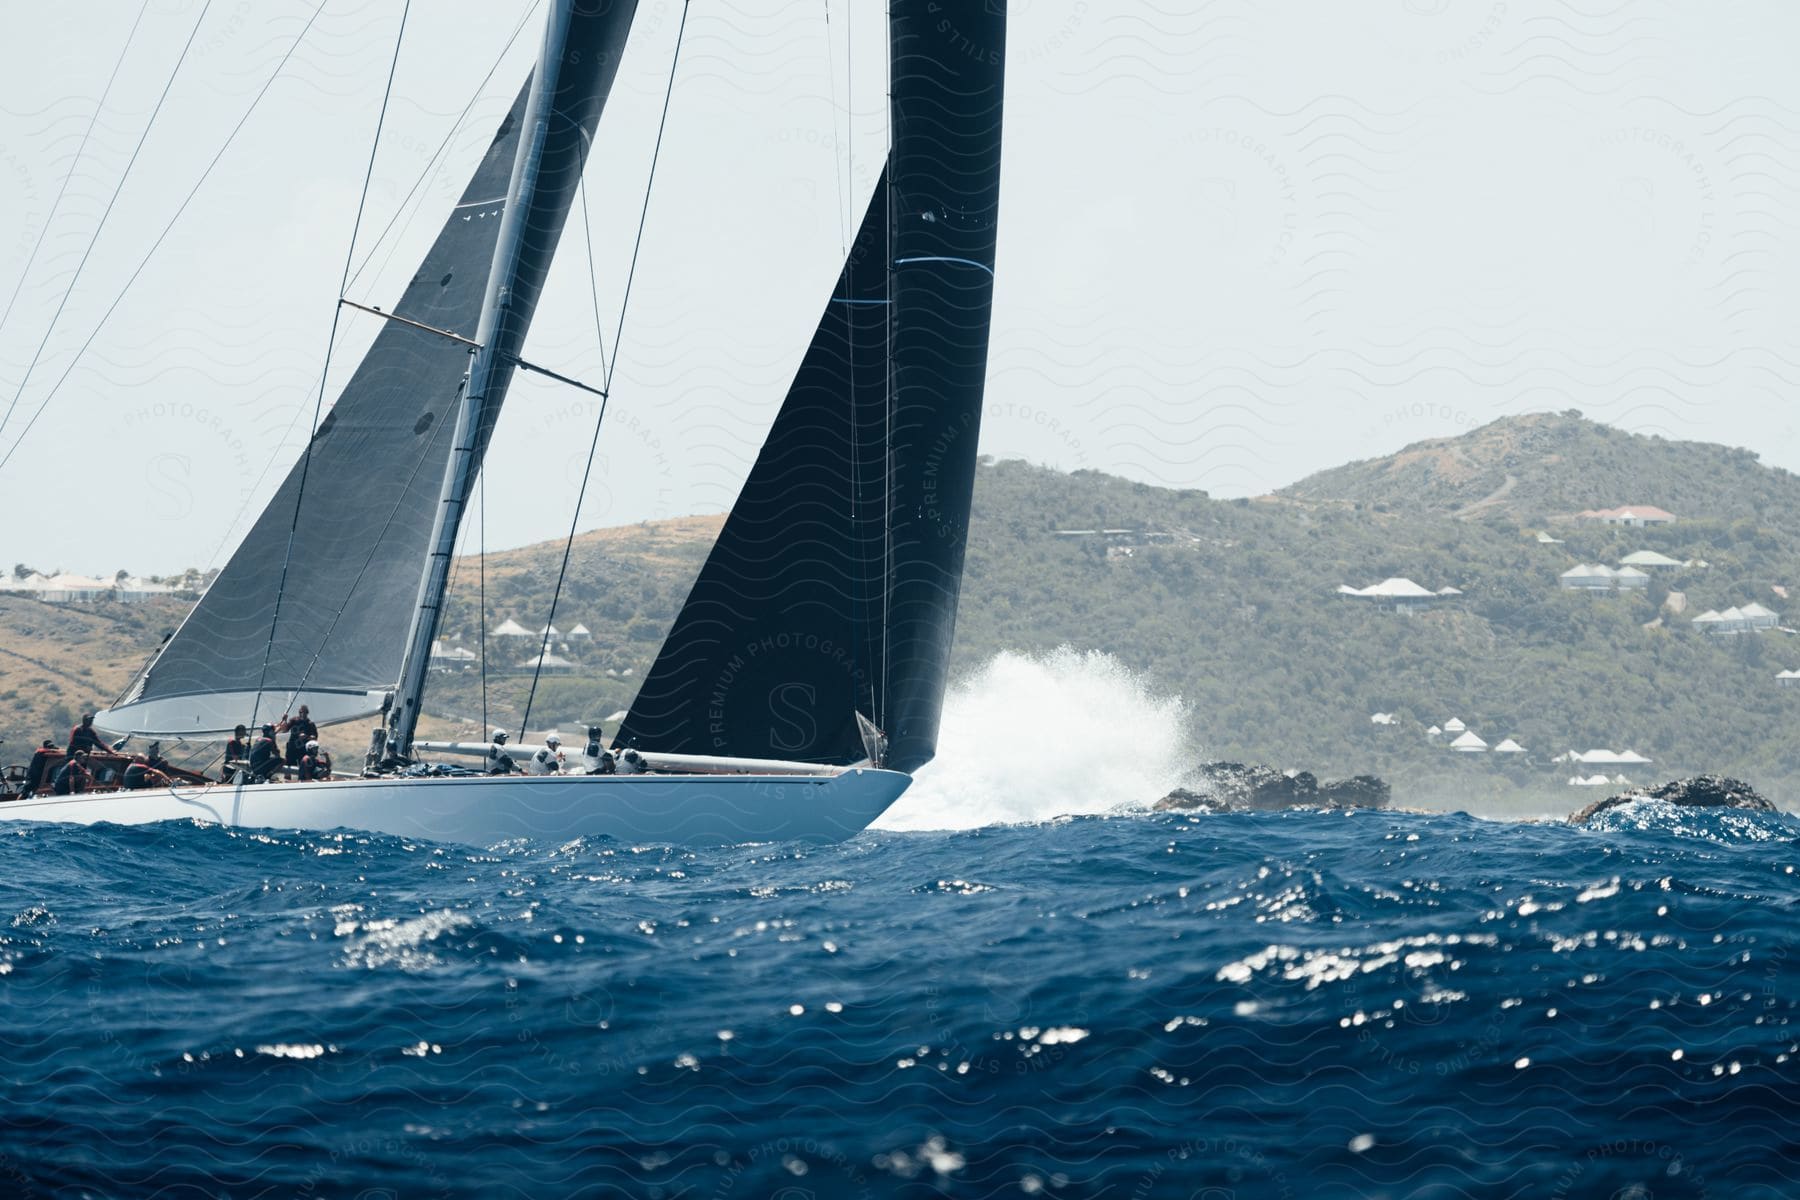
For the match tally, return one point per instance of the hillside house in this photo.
(1544, 538)
(1597, 577)
(1588, 781)
(1650, 560)
(1381, 719)
(1509, 747)
(1637, 516)
(509, 628)
(451, 658)
(1602, 757)
(1752, 618)
(1469, 743)
(1454, 725)
(581, 633)
(1787, 679)
(1400, 594)
(553, 664)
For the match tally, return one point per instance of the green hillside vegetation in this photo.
(1233, 605)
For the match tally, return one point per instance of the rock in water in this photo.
(1702, 791)
(1252, 786)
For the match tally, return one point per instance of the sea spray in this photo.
(1028, 738)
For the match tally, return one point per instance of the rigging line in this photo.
(287, 554)
(606, 388)
(56, 205)
(436, 161)
(837, 165)
(587, 236)
(161, 237)
(107, 212)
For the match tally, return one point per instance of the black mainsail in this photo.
(335, 633)
(832, 589)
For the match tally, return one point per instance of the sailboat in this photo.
(802, 682)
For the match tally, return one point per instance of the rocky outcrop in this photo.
(1253, 787)
(1702, 791)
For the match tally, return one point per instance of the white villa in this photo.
(1469, 743)
(1651, 560)
(1509, 747)
(1751, 618)
(1454, 725)
(68, 588)
(1636, 515)
(1381, 718)
(1403, 595)
(581, 633)
(1787, 678)
(509, 628)
(1597, 577)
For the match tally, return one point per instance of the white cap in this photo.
(312, 745)
(499, 734)
(552, 739)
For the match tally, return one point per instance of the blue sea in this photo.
(1299, 1004)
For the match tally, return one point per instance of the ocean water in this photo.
(1144, 1005)
(1021, 984)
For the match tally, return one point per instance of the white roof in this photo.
(1468, 741)
(1434, 731)
(1649, 558)
(1708, 617)
(1396, 587)
(1632, 756)
(1449, 591)
(511, 628)
(1454, 725)
(1588, 781)
(1545, 538)
(580, 631)
(1787, 674)
(1630, 573)
(1381, 718)
(551, 631)
(1588, 571)
(1509, 747)
(1754, 609)
(439, 650)
(550, 660)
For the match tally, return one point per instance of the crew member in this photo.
(37, 775)
(548, 759)
(315, 764)
(499, 761)
(300, 730)
(236, 751)
(146, 770)
(85, 737)
(265, 757)
(73, 776)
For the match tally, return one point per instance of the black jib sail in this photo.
(362, 520)
(832, 589)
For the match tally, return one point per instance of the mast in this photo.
(583, 40)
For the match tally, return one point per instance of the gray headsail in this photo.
(375, 474)
(833, 587)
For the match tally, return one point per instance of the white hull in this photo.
(481, 810)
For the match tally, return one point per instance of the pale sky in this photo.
(1239, 242)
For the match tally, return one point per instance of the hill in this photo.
(1532, 468)
(1234, 606)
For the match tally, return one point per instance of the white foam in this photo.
(1030, 738)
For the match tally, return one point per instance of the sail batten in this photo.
(832, 589)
